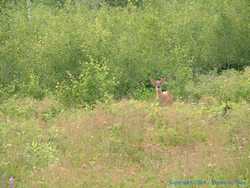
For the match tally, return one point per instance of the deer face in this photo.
(158, 83)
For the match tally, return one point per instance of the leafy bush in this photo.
(143, 93)
(229, 86)
(95, 83)
(33, 87)
(40, 154)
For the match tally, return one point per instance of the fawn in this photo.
(164, 97)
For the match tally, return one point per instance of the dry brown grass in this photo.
(139, 144)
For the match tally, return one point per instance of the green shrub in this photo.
(143, 93)
(229, 86)
(95, 83)
(33, 87)
(39, 154)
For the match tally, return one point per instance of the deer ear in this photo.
(152, 82)
(163, 80)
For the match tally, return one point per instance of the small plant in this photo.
(142, 93)
(33, 87)
(51, 113)
(40, 154)
(94, 83)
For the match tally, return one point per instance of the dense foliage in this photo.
(229, 86)
(42, 44)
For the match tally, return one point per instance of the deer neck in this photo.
(158, 93)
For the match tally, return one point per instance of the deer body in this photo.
(165, 98)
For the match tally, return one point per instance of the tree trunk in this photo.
(28, 4)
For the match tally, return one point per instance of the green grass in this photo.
(124, 143)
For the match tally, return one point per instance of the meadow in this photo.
(127, 143)
(77, 108)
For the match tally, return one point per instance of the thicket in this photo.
(231, 85)
(177, 39)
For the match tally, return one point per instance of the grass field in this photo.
(77, 93)
(125, 143)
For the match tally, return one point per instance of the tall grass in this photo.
(123, 144)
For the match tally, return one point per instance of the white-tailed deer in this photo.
(164, 97)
